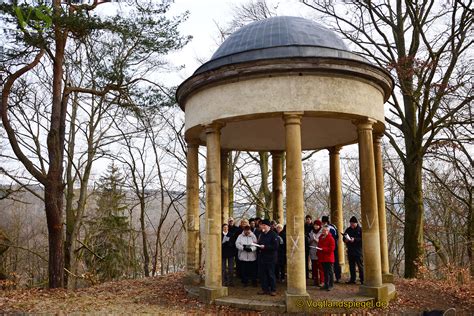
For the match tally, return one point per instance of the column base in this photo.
(209, 294)
(296, 302)
(387, 278)
(380, 293)
(344, 268)
(192, 278)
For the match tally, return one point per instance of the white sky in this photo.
(201, 24)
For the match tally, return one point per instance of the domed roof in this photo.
(278, 37)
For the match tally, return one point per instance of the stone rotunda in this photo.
(283, 85)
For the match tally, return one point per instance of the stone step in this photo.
(252, 304)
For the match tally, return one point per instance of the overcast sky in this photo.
(201, 24)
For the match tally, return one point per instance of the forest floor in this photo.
(167, 295)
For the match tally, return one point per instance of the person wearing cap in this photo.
(335, 235)
(268, 255)
(232, 228)
(316, 266)
(353, 240)
(326, 245)
(247, 254)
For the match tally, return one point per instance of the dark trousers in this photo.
(353, 261)
(337, 266)
(328, 268)
(248, 270)
(267, 276)
(238, 267)
(227, 270)
(280, 270)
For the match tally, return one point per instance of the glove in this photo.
(248, 249)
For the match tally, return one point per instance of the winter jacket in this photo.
(269, 254)
(282, 247)
(313, 242)
(246, 240)
(354, 248)
(228, 248)
(327, 244)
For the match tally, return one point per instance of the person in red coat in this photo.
(326, 246)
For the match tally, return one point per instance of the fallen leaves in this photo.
(165, 295)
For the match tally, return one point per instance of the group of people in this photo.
(321, 248)
(257, 249)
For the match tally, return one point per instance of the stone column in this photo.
(296, 284)
(213, 263)
(369, 212)
(277, 186)
(336, 199)
(387, 277)
(225, 185)
(192, 212)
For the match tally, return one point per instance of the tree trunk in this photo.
(414, 216)
(54, 186)
(470, 238)
(53, 197)
(146, 257)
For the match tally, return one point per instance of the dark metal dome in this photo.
(278, 37)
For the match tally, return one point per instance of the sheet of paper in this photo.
(257, 245)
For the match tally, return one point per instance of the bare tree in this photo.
(425, 45)
(43, 44)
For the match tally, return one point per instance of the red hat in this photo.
(318, 222)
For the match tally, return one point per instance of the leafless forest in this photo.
(93, 157)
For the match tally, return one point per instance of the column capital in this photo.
(364, 124)
(277, 153)
(377, 137)
(334, 150)
(193, 143)
(213, 127)
(225, 152)
(292, 117)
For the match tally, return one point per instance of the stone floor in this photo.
(247, 297)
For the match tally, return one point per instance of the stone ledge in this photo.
(379, 292)
(297, 302)
(252, 304)
(210, 294)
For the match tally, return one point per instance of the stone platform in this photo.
(319, 301)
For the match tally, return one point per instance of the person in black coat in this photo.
(308, 226)
(268, 256)
(353, 240)
(281, 263)
(228, 255)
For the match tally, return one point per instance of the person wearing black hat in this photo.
(268, 254)
(353, 240)
(335, 235)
